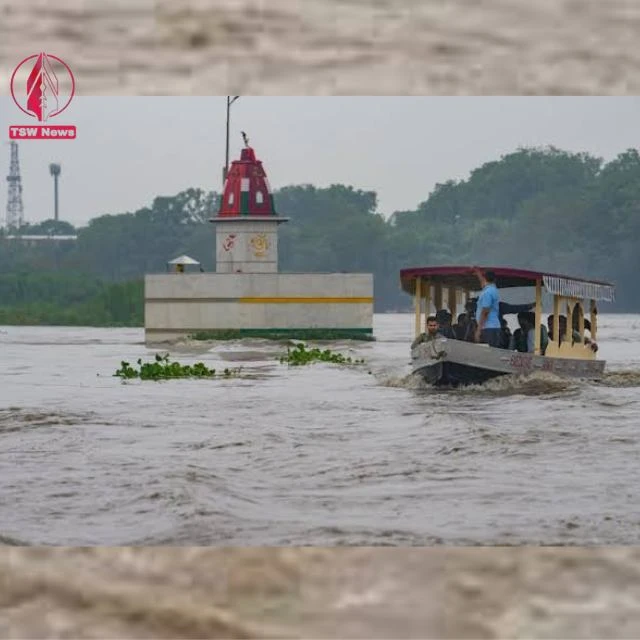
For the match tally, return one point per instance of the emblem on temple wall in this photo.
(260, 245)
(229, 242)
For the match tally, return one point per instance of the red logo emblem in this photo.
(229, 242)
(42, 86)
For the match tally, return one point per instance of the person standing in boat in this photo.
(489, 329)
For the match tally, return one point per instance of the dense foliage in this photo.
(536, 208)
(69, 299)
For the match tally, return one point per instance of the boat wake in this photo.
(622, 378)
(536, 384)
(410, 381)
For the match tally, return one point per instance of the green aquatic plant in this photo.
(163, 369)
(300, 355)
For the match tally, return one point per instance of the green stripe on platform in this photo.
(358, 333)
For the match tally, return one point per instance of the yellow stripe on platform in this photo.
(303, 300)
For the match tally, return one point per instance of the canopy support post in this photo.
(580, 320)
(418, 305)
(537, 327)
(426, 286)
(594, 319)
(438, 296)
(453, 302)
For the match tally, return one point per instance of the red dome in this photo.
(246, 189)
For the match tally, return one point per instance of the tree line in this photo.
(544, 209)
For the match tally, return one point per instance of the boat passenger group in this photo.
(484, 322)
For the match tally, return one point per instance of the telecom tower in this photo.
(15, 208)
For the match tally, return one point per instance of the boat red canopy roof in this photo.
(465, 277)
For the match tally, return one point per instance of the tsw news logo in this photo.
(42, 86)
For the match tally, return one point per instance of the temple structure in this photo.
(247, 295)
(247, 223)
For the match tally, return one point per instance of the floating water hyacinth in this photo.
(300, 355)
(163, 369)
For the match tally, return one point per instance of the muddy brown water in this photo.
(211, 47)
(319, 593)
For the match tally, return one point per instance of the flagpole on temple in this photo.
(225, 170)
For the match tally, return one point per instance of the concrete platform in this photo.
(256, 304)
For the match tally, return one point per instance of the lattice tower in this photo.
(15, 207)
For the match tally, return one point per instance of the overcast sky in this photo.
(131, 149)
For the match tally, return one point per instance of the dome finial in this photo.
(245, 138)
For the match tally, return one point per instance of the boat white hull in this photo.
(453, 362)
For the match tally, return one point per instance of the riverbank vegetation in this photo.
(69, 299)
(533, 208)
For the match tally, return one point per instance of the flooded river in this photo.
(316, 455)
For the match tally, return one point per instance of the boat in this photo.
(452, 362)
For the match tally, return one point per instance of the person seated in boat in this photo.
(470, 307)
(507, 309)
(524, 337)
(430, 334)
(505, 333)
(471, 330)
(467, 330)
(518, 341)
(576, 338)
(461, 327)
(590, 341)
(576, 331)
(445, 329)
(562, 322)
(489, 329)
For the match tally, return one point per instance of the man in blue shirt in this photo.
(488, 311)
